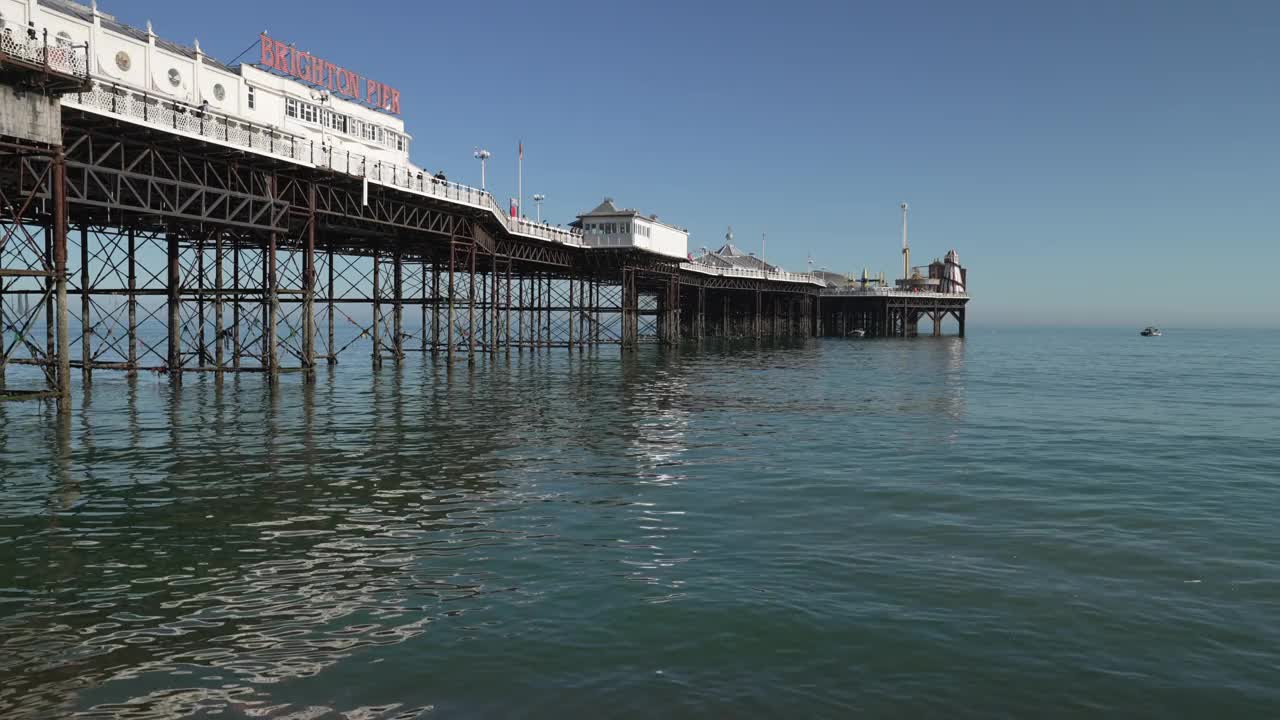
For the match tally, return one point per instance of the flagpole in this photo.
(520, 180)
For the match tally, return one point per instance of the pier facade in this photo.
(162, 212)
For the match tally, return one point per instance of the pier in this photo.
(146, 230)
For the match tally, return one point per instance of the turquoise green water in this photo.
(1020, 524)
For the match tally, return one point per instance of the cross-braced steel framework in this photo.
(181, 257)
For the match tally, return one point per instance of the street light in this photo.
(537, 201)
(482, 155)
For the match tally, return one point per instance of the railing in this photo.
(776, 275)
(888, 292)
(66, 59)
(142, 107)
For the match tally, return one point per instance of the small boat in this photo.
(1151, 332)
(858, 333)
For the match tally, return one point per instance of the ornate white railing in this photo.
(185, 119)
(888, 292)
(776, 276)
(63, 58)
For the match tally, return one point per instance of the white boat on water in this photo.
(1151, 332)
(858, 333)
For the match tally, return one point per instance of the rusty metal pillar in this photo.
(133, 301)
(630, 310)
(202, 350)
(520, 312)
(174, 280)
(506, 324)
(217, 305)
(309, 289)
(471, 302)
(571, 317)
(453, 252)
(423, 312)
(60, 281)
(235, 307)
(757, 325)
(86, 322)
(551, 307)
(582, 315)
(397, 305)
(332, 347)
(495, 309)
(377, 312)
(435, 307)
(271, 309)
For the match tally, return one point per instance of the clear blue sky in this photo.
(1092, 162)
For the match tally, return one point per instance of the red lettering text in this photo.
(268, 51)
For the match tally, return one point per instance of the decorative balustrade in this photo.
(776, 276)
(61, 58)
(888, 292)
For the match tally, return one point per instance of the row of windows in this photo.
(307, 112)
(609, 228)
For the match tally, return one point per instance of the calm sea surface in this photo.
(1021, 524)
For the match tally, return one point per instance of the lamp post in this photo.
(537, 202)
(482, 155)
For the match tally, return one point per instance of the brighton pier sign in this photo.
(315, 71)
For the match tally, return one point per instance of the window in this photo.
(252, 101)
(290, 107)
(369, 131)
(400, 143)
(334, 120)
(308, 112)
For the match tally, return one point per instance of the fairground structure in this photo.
(161, 211)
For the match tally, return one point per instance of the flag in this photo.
(521, 150)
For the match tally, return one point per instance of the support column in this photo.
(700, 320)
(548, 283)
(235, 307)
(960, 319)
(506, 324)
(174, 280)
(397, 306)
(133, 302)
(309, 289)
(471, 303)
(217, 305)
(202, 348)
(630, 310)
(495, 305)
(332, 353)
(423, 312)
(270, 309)
(453, 253)
(435, 306)
(86, 322)
(377, 312)
(758, 322)
(60, 283)
(571, 316)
